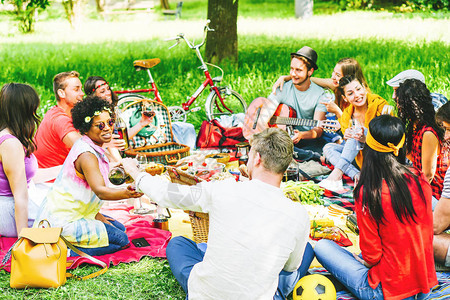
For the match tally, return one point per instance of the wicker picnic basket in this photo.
(156, 140)
(199, 220)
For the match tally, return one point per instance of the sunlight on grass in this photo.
(144, 26)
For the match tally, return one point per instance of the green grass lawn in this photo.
(383, 43)
(147, 279)
(261, 60)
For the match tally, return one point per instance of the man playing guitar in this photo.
(305, 98)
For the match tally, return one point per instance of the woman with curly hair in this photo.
(75, 199)
(423, 135)
(393, 208)
(98, 86)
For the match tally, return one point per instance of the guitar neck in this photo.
(293, 121)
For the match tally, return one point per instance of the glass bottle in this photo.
(292, 172)
(118, 176)
(120, 127)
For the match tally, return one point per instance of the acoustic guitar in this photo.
(258, 118)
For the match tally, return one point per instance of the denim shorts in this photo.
(7, 216)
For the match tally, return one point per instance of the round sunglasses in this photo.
(102, 124)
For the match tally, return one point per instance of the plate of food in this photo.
(223, 158)
(154, 168)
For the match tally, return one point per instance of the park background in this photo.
(386, 37)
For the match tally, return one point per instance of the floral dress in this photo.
(71, 203)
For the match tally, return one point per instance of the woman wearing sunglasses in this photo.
(75, 199)
(98, 86)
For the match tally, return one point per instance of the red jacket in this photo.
(401, 254)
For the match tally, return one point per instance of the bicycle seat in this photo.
(217, 79)
(146, 63)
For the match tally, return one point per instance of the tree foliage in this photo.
(430, 4)
(25, 12)
(412, 4)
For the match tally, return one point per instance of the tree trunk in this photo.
(222, 43)
(303, 9)
(164, 4)
(100, 5)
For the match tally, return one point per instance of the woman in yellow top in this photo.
(363, 107)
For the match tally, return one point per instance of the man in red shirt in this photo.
(56, 134)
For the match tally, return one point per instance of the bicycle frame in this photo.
(208, 81)
(201, 88)
(151, 90)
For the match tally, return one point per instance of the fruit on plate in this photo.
(154, 168)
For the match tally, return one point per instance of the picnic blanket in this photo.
(138, 226)
(344, 198)
(441, 291)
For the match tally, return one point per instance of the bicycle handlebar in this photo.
(180, 36)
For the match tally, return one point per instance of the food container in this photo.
(205, 172)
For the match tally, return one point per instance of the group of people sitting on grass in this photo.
(258, 244)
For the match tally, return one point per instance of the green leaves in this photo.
(25, 12)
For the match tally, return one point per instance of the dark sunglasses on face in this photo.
(102, 124)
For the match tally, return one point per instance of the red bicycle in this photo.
(221, 100)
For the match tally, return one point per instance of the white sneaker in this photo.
(332, 185)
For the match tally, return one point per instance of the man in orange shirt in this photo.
(56, 134)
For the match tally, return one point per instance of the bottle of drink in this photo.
(118, 176)
(292, 172)
(120, 127)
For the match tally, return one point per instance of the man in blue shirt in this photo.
(305, 97)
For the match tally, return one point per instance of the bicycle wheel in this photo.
(232, 101)
(177, 113)
(125, 99)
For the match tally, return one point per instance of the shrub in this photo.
(429, 4)
(25, 11)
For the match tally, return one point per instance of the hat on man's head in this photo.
(402, 76)
(309, 54)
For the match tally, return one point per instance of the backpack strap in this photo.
(93, 259)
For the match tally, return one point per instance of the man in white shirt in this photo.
(258, 239)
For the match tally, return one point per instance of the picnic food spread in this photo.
(327, 222)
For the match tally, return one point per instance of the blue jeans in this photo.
(8, 218)
(331, 137)
(342, 155)
(184, 133)
(117, 237)
(350, 272)
(309, 149)
(183, 253)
